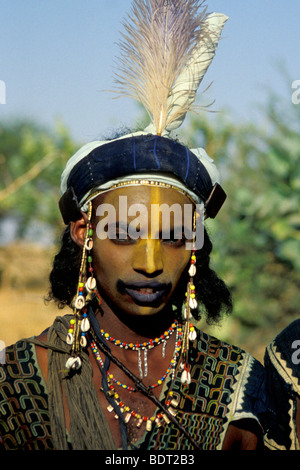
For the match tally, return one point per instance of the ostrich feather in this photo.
(165, 50)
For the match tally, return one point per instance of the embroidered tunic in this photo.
(282, 361)
(227, 384)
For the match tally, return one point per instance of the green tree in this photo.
(31, 162)
(257, 233)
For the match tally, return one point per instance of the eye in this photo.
(176, 238)
(121, 236)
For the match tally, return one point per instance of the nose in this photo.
(147, 257)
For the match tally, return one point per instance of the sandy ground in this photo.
(24, 314)
(24, 272)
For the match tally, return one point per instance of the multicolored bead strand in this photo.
(79, 324)
(139, 347)
(171, 367)
(145, 345)
(190, 304)
(157, 419)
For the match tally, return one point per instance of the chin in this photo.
(144, 310)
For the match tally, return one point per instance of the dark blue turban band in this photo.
(135, 155)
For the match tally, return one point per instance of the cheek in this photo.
(108, 262)
(177, 262)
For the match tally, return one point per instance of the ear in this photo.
(78, 229)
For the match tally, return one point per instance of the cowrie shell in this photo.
(192, 270)
(73, 363)
(70, 338)
(85, 325)
(90, 284)
(193, 303)
(185, 377)
(89, 244)
(79, 302)
(192, 335)
(83, 341)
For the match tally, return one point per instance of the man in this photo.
(129, 369)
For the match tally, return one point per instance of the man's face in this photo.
(137, 263)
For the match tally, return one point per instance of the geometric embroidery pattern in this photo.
(204, 408)
(24, 417)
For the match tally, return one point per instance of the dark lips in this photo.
(145, 293)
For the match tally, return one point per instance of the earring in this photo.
(191, 303)
(80, 324)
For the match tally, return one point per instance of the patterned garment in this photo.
(282, 361)
(227, 385)
(24, 416)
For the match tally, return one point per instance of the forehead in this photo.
(144, 194)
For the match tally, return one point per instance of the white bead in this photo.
(83, 341)
(192, 270)
(85, 325)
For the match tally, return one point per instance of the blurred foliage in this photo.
(257, 233)
(31, 162)
(256, 236)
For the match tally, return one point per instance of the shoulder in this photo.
(232, 382)
(282, 359)
(20, 364)
(23, 397)
(237, 370)
(237, 360)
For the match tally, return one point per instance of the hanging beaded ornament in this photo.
(80, 324)
(190, 304)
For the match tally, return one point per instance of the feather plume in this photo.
(166, 48)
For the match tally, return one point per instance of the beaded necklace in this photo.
(171, 402)
(157, 418)
(145, 346)
(171, 367)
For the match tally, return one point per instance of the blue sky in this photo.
(56, 58)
